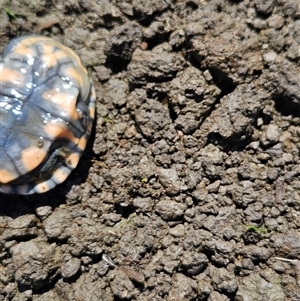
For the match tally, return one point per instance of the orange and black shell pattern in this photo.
(47, 108)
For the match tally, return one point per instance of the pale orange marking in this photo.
(60, 54)
(49, 60)
(92, 111)
(65, 102)
(73, 160)
(60, 175)
(11, 76)
(32, 157)
(41, 187)
(6, 176)
(74, 75)
(82, 143)
(56, 130)
(25, 51)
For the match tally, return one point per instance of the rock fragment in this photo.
(36, 262)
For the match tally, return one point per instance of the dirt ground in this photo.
(189, 187)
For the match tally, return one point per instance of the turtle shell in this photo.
(47, 108)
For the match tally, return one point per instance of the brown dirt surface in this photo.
(189, 187)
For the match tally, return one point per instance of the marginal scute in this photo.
(73, 159)
(60, 175)
(82, 143)
(42, 187)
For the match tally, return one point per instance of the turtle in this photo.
(47, 109)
